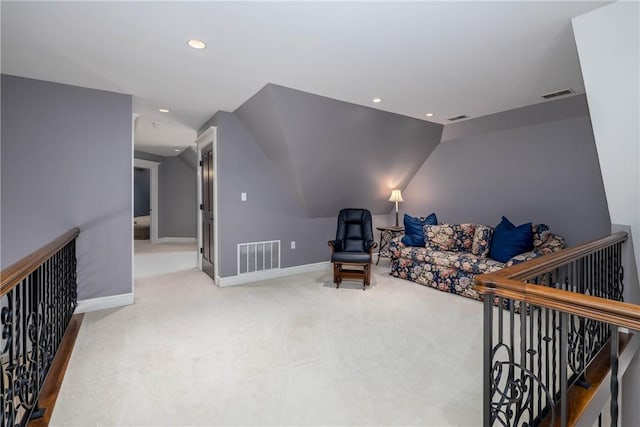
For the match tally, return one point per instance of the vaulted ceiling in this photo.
(448, 58)
(336, 154)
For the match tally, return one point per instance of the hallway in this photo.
(161, 258)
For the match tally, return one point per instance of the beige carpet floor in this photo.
(290, 351)
(145, 247)
(162, 258)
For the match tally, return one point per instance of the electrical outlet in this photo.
(243, 197)
(293, 244)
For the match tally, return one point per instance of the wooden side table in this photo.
(386, 234)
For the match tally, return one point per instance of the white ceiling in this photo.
(450, 58)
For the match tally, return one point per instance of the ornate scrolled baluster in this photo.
(515, 396)
(576, 345)
(7, 380)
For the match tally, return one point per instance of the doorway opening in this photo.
(145, 193)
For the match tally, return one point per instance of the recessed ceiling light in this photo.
(163, 110)
(197, 44)
(429, 114)
(376, 100)
(176, 149)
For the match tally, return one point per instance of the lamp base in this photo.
(397, 223)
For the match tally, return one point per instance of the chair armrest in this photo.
(371, 245)
(335, 245)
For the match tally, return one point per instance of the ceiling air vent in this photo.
(558, 93)
(453, 119)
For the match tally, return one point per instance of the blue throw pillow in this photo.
(414, 229)
(509, 240)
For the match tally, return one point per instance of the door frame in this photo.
(208, 137)
(154, 214)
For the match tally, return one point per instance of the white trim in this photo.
(154, 214)
(103, 303)
(134, 123)
(208, 137)
(177, 240)
(271, 274)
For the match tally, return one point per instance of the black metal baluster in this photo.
(523, 351)
(487, 362)
(564, 338)
(539, 354)
(34, 315)
(36, 378)
(24, 351)
(547, 340)
(614, 375)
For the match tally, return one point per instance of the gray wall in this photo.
(141, 192)
(318, 143)
(177, 199)
(190, 158)
(536, 164)
(66, 162)
(544, 173)
(177, 195)
(272, 210)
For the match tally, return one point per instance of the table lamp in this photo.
(396, 196)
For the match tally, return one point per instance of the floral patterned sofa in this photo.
(454, 270)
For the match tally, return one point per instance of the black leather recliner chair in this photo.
(353, 247)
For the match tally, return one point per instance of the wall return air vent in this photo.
(558, 93)
(453, 119)
(258, 256)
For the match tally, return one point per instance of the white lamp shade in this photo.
(396, 196)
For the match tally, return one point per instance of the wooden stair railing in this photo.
(38, 296)
(553, 346)
(621, 314)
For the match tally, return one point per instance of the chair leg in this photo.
(367, 276)
(336, 274)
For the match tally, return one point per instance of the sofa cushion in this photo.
(464, 239)
(449, 237)
(482, 240)
(509, 240)
(465, 261)
(351, 257)
(413, 229)
(447, 259)
(441, 237)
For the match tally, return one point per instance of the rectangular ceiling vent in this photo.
(558, 93)
(453, 119)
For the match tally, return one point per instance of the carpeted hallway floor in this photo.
(290, 351)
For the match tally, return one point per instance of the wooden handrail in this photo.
(601, 309)
(17, 271)
(554, 260)
(572, 402)
(508, 283)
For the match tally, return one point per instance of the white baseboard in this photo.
(270, 274)
(102, 303)
(176, 240)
